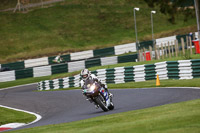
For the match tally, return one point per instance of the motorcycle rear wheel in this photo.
(111, 107)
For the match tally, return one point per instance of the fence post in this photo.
(172, 48)
(139, 57)
(176, 48)
(150, 49)
(183, 46)
(193, 36)
(169, 50)
(165, 50)
(187, 42)
(158, 52)
(144, 54)
(162, 51)
(190, 42)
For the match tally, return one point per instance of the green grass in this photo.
(181, 117)
(163, 83)
(12, 116)
(75, 25)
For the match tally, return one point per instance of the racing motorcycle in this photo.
(97, 94)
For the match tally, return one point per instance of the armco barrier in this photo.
(116, 50)
(65, 67)
(182, 69)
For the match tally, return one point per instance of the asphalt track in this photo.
(66, 106)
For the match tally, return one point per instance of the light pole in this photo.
(197, 16)
(137, 9)
(152, 12)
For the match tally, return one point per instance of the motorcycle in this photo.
(97, 94)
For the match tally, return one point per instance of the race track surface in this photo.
(66, 106)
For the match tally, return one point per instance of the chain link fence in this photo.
(22, 5)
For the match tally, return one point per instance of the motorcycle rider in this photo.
(86, 74)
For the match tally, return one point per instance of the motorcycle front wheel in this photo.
(101, 102)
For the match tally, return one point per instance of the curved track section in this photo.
(66, 106)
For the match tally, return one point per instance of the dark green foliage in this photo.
(173, 8)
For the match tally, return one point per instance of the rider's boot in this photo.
(110, 94)
(96, 106)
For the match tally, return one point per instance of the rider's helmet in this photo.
(85, 74)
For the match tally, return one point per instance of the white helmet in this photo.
(85, 74)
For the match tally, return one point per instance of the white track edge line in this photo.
(17, 86)
(173, 87)
(38, 117)
(197, 88)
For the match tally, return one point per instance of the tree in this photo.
(172, 7)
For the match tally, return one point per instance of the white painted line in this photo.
(197, 88)
(12, 125)
(38, 117)
(18, 86)
(183, 87)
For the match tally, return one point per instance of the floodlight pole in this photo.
(152, 12)
(137, 9)
(197, 17)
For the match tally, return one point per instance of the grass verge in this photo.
(181, 117)
(163, 83)
(10, 116)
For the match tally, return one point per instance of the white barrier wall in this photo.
(75, 66)
(7, 76)
(139, 72)
(165, 40)
(0, 66)
(77, 80)
(36, 62)
(185, 69)
(109, 60)
(56, 83)
(119, 75)
(101, 74)
(66, 82)
(82, 55)
(161, 70)
(125, 48)
(47, 85)
(41, 71)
